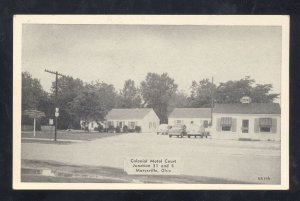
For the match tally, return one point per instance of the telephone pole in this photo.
(56, 102)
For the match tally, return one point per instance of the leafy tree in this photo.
(261, 94)
(178, 100)
(68, 89)
(156, 92)
(233, 91)
(32, 92)
(129, 96)
(94, 102)
(201, 93)
(33, 97)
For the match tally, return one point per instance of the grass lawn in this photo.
(70, 135)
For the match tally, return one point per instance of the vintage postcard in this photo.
(151, 102)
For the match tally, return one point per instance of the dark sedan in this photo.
(177, 130)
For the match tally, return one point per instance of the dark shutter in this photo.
(218, 124)
(205, 123)
(233, 125)
(274, 125)
(256, 125)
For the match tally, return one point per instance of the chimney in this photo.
(245, 100)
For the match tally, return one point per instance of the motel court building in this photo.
(190, 116)
(252, 121)
(145, 118)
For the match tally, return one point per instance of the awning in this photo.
(265, 121)
(226, 121)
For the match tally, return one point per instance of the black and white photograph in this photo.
(151, 102)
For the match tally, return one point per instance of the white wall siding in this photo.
(187, 121)
(150, 122)
(252, 133)
(150, 118)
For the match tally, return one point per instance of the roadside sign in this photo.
(56, 110)
(50, 121)
(56, 114)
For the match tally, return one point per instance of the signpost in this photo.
(34, 114)
(56, 116)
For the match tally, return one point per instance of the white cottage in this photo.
(146, 118)
(189, 116)
(91, 125)
(256, 121)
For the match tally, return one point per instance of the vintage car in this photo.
(195, 131)
(163, 129)
(177, 130)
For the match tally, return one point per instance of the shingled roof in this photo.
(133, 113)
(191, 113)
(250, 108)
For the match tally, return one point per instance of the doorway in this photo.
(245, 126)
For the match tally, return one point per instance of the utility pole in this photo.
(56, 102)
(212, 100)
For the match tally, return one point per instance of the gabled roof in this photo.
(250, 108)
(191, 113)
(123, 114)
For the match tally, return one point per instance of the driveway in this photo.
(243, 161)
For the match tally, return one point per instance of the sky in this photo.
(115, 53)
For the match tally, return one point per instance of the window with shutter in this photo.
(226, 124)
(265, 125)
(131, 125)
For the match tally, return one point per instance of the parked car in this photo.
(197, 131)
(178, 130)
(163, 129)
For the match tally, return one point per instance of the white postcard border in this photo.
(258, 20)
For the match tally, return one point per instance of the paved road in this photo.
(225, 159)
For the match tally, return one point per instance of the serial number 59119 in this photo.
(264, 178)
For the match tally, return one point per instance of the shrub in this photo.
(138, 129)
(130, 130)
(99, 128)
(111, 128)
(125, 129)
(118, 129)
